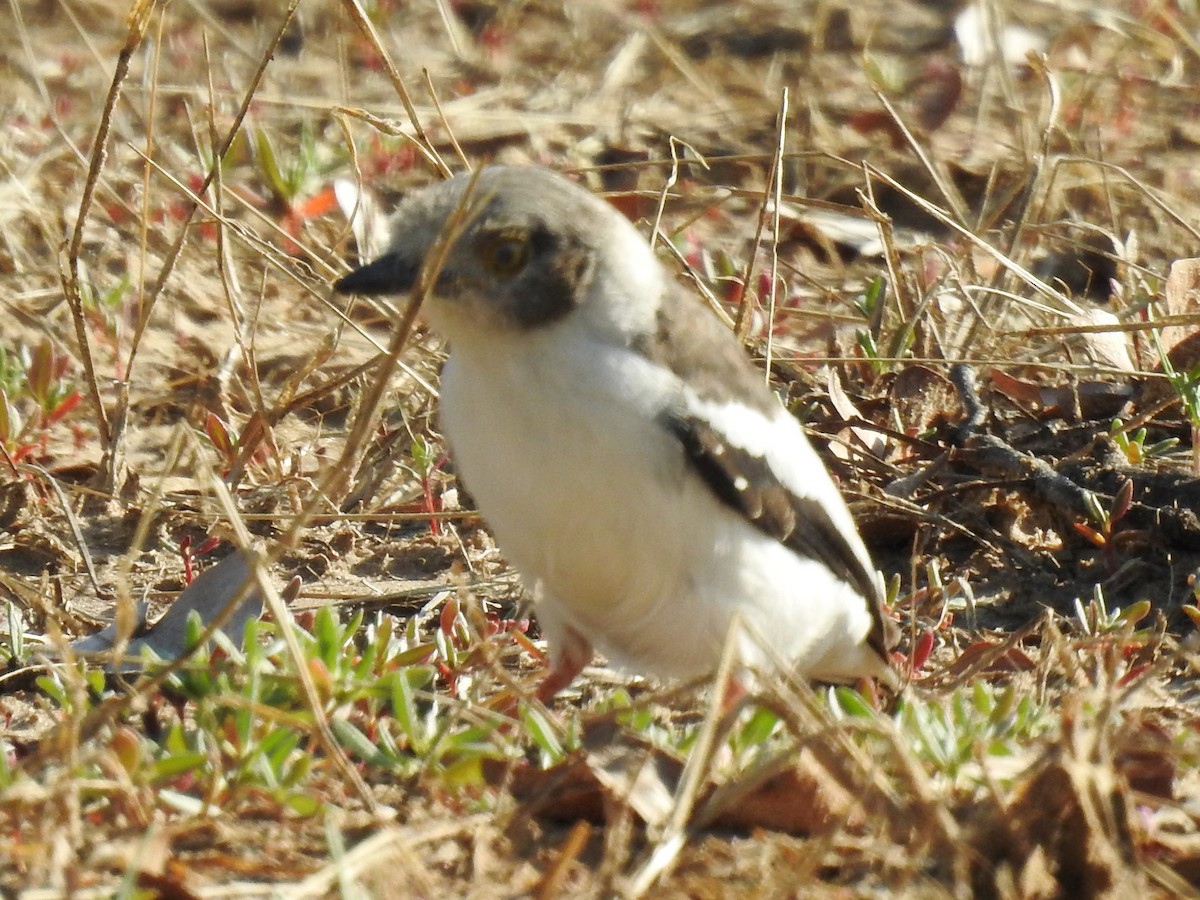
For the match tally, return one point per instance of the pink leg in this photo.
(567, 659)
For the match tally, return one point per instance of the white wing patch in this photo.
(764, 467)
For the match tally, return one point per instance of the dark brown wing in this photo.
(745, 483)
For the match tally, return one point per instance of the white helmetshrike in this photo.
(629, 459)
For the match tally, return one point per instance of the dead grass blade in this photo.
(423, 143)
(137, 22)
(226, 143)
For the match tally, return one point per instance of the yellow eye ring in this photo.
(505, 255)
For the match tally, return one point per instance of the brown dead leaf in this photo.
(805, 798)
(858, 437)
(567, 792)
(1025, 393)
(1181, 297)
(987, 657)
(1106, 348)
(924, 399)
(1084, 400)
(798, 796)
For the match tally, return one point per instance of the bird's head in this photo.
(513, 248)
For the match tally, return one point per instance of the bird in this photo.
(629, 459)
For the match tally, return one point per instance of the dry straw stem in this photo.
(776, 188)
(111, 429)
(392, 128)
(367, 27)
(153, 505)
(138, 18)
(554, 881)
(336, 479)
(1034, 181)
(950, 193)
(1058, 297)
(145, 216)
(891, 256)
(1152, 195)
(259, 428)
(670, 182)
(745, 312)
(675, 835)
(72, 522)
(770, 207)
(213, 174)
(437, 105)
(226, 272)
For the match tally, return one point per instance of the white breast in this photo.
(570, 472)
(556, 437)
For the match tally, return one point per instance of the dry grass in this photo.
(173, 370)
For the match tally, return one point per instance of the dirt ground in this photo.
(962, 251)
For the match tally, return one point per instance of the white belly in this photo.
(589, 496)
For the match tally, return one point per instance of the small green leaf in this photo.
(176, 764)
(983, 701)
(303, 804)
(6, 773)
(350, 737)
(464, 772)
(1135, 612)
(41, 371)
(851, 702)
(268, 163)
(53, 688)
(761, 726)
(542, 732)
(1161, 447)
(404, 710)
(414, 655)
(1004, 703)
(1096, 512)
(16, 626)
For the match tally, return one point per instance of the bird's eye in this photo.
(505, 255)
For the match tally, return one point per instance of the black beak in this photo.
(390, 274)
